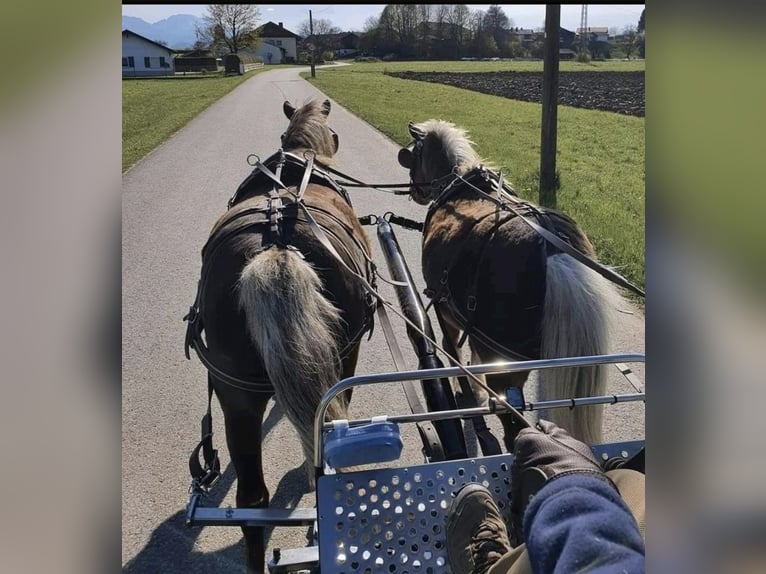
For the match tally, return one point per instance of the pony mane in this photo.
(308, 130)
(454, 144)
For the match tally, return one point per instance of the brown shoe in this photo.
(476, 533)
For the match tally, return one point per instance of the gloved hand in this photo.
(540, 455)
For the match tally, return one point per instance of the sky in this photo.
(352, 17)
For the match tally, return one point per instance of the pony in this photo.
(489, 273)
(282, 313)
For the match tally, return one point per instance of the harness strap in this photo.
(207, 476)
(306, 177)
(563, 246)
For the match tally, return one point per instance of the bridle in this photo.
(436, 187)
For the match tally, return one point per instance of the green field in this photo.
(153, 109)
(600, 155)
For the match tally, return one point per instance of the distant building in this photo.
(597, 34)
(142, 57)
(340, 44)
(526, 37)
(273, 36)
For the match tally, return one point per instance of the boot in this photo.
(476, 533)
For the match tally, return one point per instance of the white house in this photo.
(144, 57)
(272, 36)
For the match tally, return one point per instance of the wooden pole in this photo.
(550, 104)
(313, 40)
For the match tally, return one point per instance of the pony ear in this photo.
(405, 158)
(416, 132)
(289, 109)
(326, 107)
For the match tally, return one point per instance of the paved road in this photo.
(170, 200)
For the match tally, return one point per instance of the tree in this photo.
(641, 21)
(458, 18)
(371, 23)
(496, 23)
(320, 40)
(629, 41)
(229, 25)
(321, 26)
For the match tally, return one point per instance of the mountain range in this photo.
(177, 31)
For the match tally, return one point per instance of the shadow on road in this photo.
(170, 548)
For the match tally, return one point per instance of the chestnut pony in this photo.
(489, 273)
(282, 315)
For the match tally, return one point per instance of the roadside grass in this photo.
(153, 109)
(600, 155)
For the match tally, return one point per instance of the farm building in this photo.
(272, 36)
(144, 57)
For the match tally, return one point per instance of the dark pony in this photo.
(282, 314)
(490, 274)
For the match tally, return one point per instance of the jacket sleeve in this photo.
(579, 523)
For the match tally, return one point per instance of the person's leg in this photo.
(515, 562)
(630, 484)
(476, 532)
(632, 487)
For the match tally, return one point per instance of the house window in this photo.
(147, 62)
(124, 62)
(128, 62)
(163, 63)
(278, 42)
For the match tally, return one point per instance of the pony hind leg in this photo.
(499, 384)
(243, 418)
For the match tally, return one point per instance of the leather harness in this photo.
(509, 206)
(270, 215)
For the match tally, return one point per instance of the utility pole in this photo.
(311, 30)
(584, 34)
(550, 106)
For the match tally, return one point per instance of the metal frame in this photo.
(492, 408)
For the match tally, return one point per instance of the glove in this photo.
(540, 455)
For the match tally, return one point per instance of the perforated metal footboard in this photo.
(392, 520)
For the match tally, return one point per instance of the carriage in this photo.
(371, 515)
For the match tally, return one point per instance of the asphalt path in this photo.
(170, 201)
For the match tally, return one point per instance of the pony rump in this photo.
(295, 330)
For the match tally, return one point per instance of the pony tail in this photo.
(295, 330)
(576, 318)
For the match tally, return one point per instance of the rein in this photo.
(377, 186)
(507, 199)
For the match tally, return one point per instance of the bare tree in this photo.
(458, 18)
(629, 42)
(229, 25)
(321, 26)
(371, 23)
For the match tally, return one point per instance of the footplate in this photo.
(392, 520)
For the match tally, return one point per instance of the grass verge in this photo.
(600, 155)
(153, 109)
